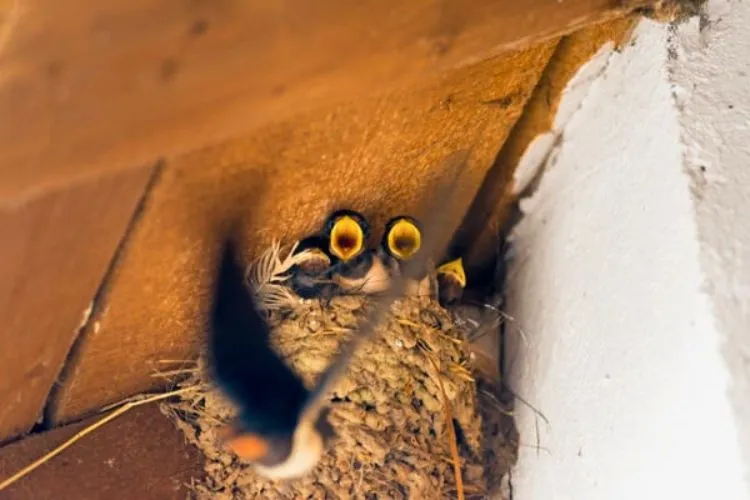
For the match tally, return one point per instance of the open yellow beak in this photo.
(454, 268)
(347, 238)
(404, 240)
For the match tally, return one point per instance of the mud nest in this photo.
(391, 412)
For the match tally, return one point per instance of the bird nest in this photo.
(406, 414)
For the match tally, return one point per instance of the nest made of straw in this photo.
(391, 412)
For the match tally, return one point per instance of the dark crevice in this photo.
(491, 193)
(98, 300)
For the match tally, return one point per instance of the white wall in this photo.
(632, 277)
(711, 77)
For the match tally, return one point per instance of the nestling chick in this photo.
(310, 278)
(451, 281)
(269, 431)
(357, 269)
(402, 240)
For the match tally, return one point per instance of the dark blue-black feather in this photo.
(270, 395)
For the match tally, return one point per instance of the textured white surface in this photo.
(623, 273)
(711, 75)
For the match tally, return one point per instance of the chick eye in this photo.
(404, 239)
(347, 238)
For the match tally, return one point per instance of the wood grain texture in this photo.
(54, 252)
(140, 455)
(380, 156)
(87, 86)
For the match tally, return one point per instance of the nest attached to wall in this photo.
(391, 412)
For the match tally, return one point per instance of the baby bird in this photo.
(401, 241)
(310, 277)
(451, 281)
(357, 268)
(270, 431)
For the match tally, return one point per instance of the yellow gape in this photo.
(454, 268)
(404, 240)
(347, 238)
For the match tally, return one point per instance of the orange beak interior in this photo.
(247, 446)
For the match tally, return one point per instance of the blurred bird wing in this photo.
(244, 364)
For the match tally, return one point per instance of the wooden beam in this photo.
(138, 455)
(378, 156)
(87, 85)
(54, 253)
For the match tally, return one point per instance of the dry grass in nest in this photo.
(389, 411)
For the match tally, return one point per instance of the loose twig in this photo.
(456, 459)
